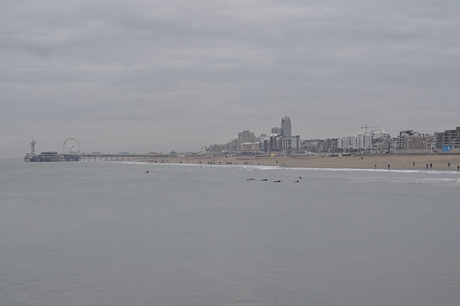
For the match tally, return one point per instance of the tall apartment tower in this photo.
(246, 136)
(286, 126)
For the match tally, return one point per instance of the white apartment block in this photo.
(351, 143)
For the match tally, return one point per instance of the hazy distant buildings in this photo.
(449, 138)
(373, 140)
(275, 143)
(285, 130)
(368, 141)
(411, 140)
(286, 126)
(312, 146)
(402, 138)
(331, 145)
(246, 136)
(246, 141)
(233, 145)
(281, 139)
(249, 146)
(218, 148)
(360, 143)
(348, 143)
(422, 142)
(290, 142)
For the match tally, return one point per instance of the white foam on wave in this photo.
(441, 180)
(440, 172)
(132, 162)
(262, 167)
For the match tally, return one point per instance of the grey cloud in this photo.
(224, 66)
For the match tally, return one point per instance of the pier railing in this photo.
(124, 157)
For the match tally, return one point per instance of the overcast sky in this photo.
(151, 75)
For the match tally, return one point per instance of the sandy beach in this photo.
(390, 161)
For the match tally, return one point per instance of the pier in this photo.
(55, 157)
(51, 157)
(124, 157)
(71, 153)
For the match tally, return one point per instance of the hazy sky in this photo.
(151, 75)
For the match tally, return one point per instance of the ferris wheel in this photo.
(71, 146)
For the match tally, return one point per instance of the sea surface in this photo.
(108, 233)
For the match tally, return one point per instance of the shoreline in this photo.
(392, 162)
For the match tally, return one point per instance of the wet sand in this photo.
(390, 161)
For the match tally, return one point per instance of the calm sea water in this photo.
(103, 233)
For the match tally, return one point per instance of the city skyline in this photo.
(173, 75)
(249, 136)
(368, 139)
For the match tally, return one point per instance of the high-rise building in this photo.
(286, 126)
(246, 136)
(450, 138)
